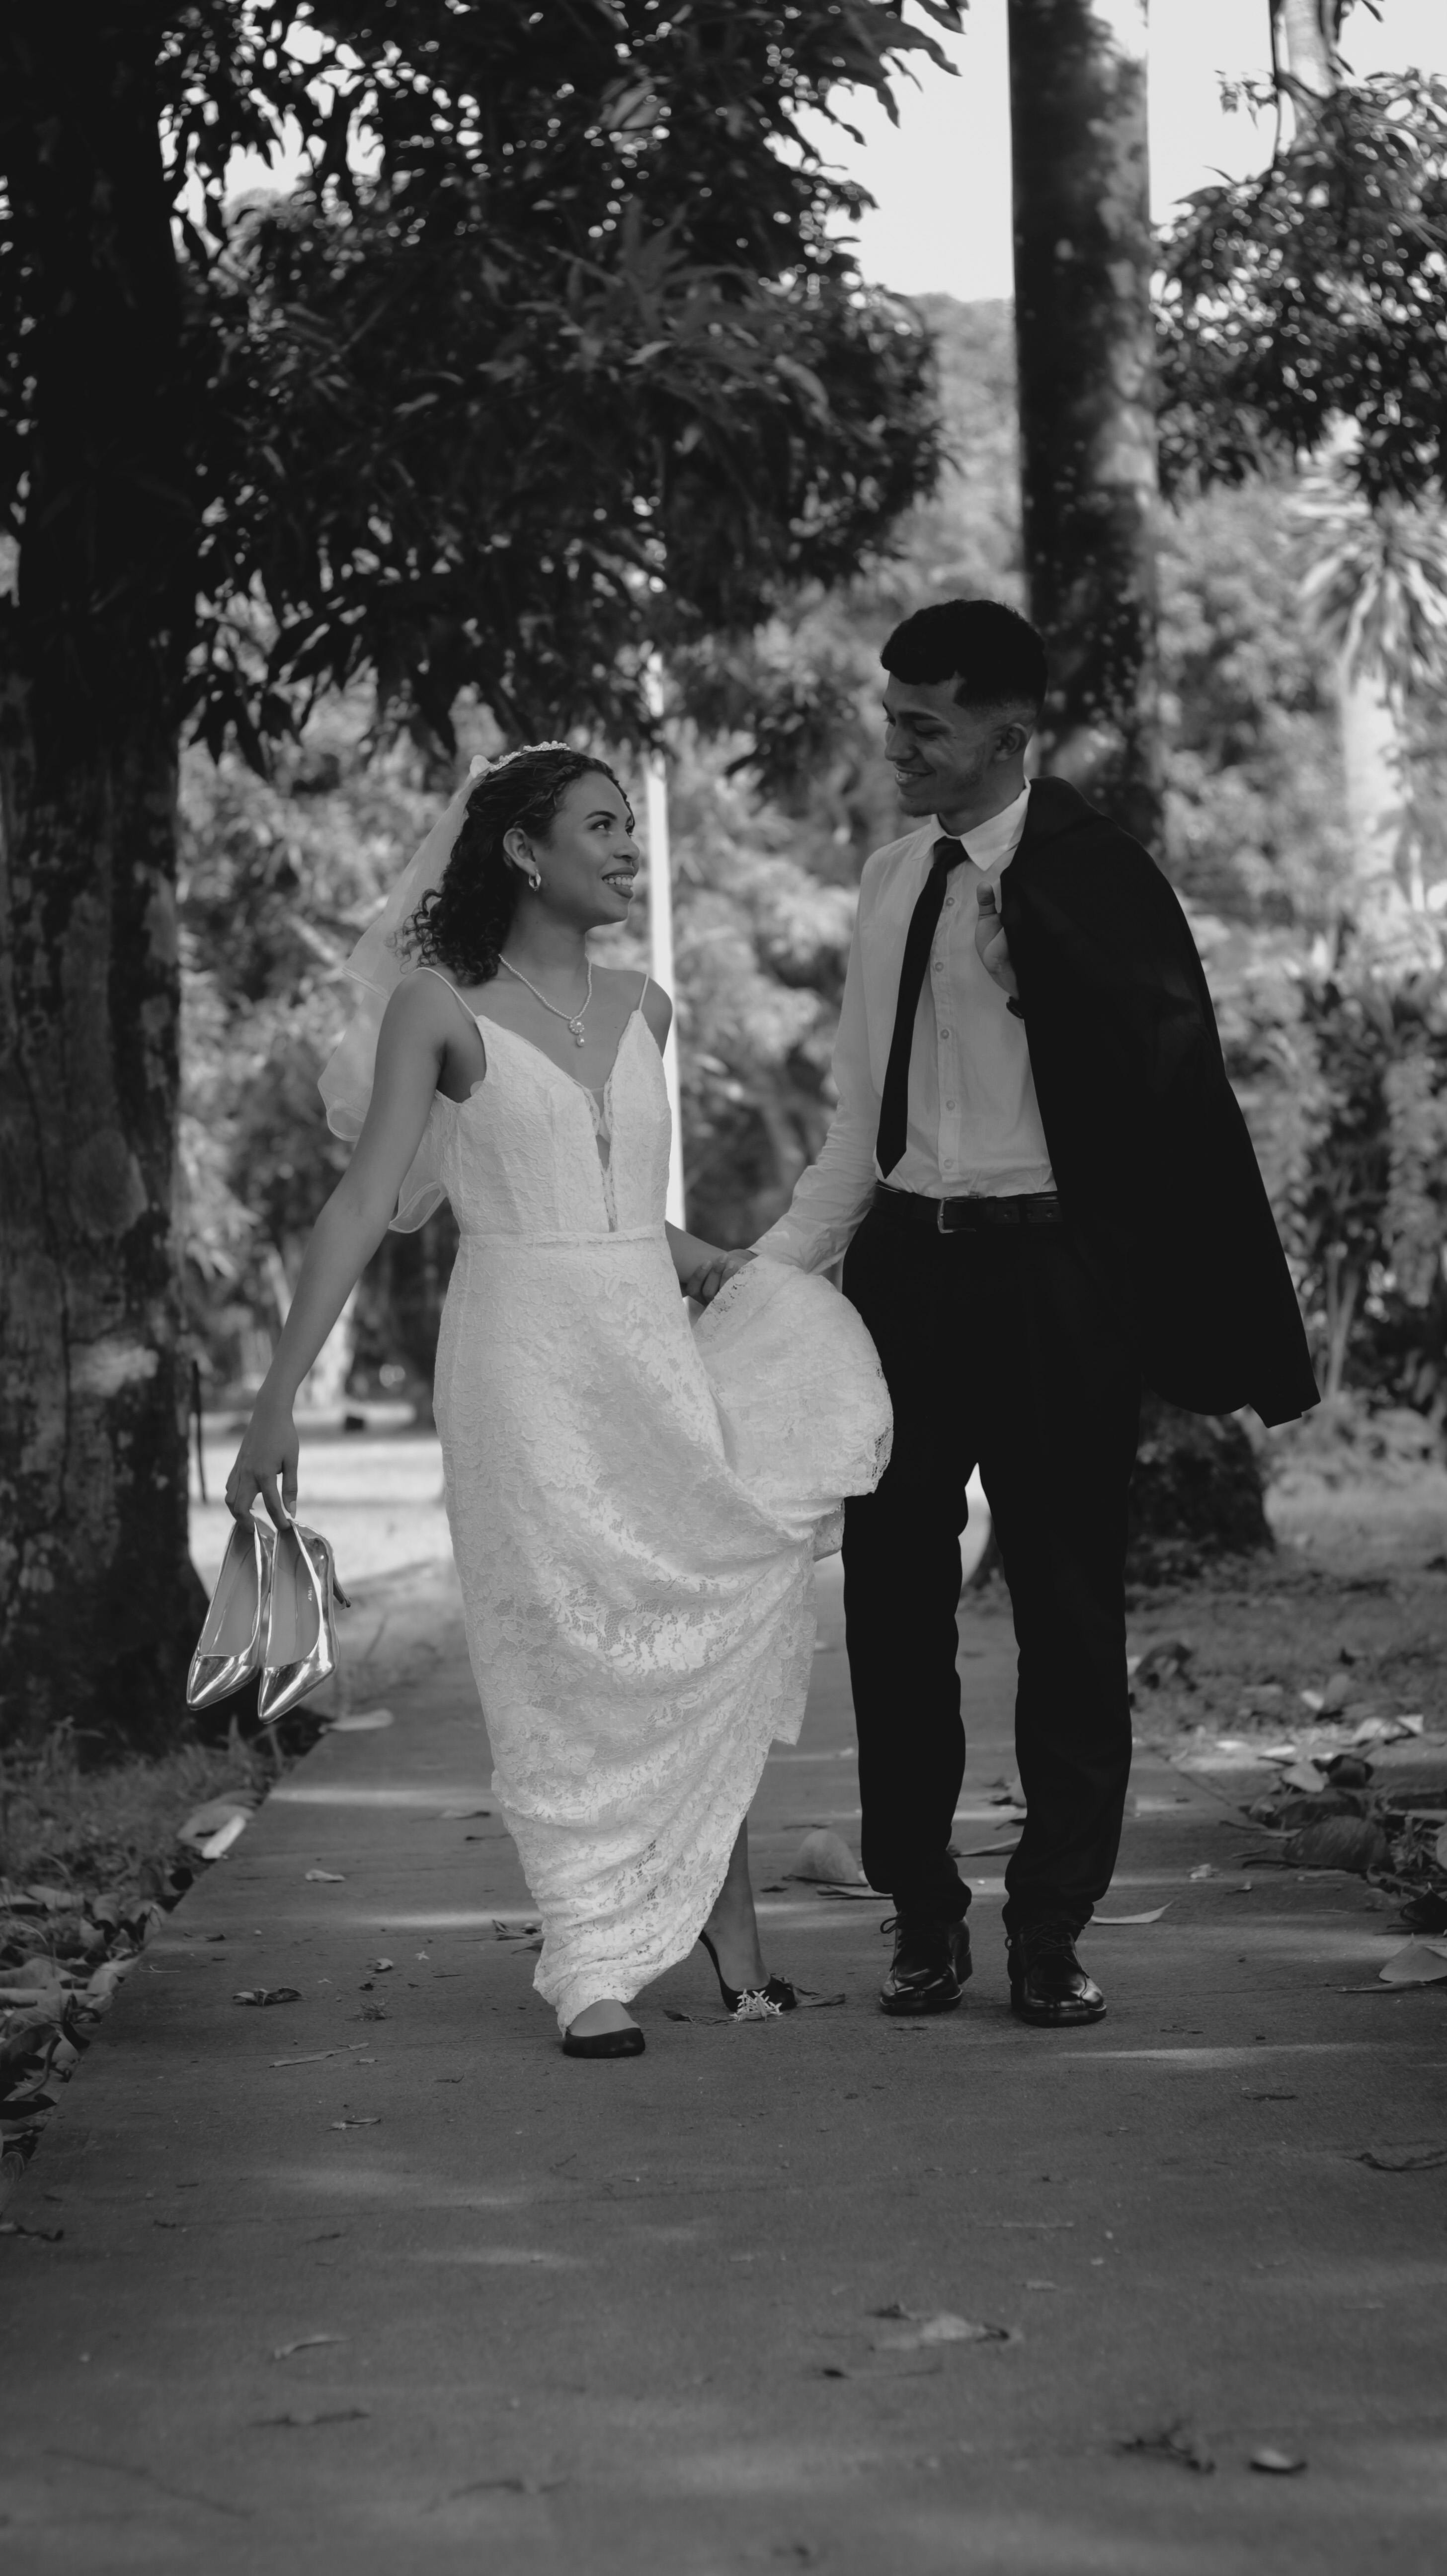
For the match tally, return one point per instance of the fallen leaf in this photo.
(316, 2059)
(985, 1851)
(1173, 2442)
(218, 1813)
(1204, 1869)
(825, 1855)
(326, 1878)
(1153, 1917)
(303, 2343)
(1350, 1843)
(379, 1967)
(320, 2415)
(364, 1721)
(448, 1815)
(1403, 2159)
(1417, 1963)
(1278, 2464)
(1426, 1913)
(917, 2331)
(17, 2227)
(369, 2120)
(1301, 1775)
(268, 1995)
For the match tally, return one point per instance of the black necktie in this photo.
(923, 923)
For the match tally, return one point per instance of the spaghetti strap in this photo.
(452, 988)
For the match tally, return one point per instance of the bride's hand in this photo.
(715, 1274)
(266, 1459)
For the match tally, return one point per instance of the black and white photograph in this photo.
(723, 1287)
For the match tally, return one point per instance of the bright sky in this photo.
(942, 176)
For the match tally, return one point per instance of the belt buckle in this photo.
(941, 1227)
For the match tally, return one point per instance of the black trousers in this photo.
(1004, 1350)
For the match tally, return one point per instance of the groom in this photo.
(1046, 1196)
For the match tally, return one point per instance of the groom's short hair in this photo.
(992, 651)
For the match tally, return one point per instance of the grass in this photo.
(95, 1831)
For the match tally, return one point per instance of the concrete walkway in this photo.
(378, 2281)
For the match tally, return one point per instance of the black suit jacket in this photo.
(1151, 1154)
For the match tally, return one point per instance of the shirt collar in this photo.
(988, 844)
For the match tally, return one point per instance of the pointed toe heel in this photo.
(232, 1640)
(301, 1628)
(752, 2003)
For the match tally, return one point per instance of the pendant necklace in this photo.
(579, 1033)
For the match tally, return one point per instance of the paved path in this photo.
(575, 2320)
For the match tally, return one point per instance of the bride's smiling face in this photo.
(588, 861)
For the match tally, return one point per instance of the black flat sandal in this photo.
(752, 2003)
(605, 2043)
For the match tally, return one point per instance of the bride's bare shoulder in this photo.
(629, 989)
(425, 999)
(426, 1011)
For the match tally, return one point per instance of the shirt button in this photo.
(949, 1104)
(944, 1033)
(949, 903)
(939, 966)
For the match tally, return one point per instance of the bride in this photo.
(635, 1501)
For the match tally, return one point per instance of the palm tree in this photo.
(1375, 585)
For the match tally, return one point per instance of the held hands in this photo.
(705, 1282)
(268, 1453)
(991, 946)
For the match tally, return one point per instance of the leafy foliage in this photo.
(1344, 1078)
(1254, 829)
(1314, 295)
(552, 355)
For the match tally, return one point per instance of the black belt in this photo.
(969, 1216)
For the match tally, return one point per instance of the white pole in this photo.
(660, 932)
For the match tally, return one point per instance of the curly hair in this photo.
(462, 922)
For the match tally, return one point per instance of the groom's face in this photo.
(942, 754)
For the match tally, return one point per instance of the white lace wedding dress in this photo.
(634, 1502)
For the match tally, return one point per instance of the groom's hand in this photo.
(713, 1275)
(991, 946)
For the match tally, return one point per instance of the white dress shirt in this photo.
(973, 1124)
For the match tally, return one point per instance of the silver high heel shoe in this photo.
(301, 1624)
(229, 1648)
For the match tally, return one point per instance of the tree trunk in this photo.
(98, 1602)
(1374, 777)
(1086, 355)
(1307, 32)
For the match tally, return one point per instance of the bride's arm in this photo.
(410, 1050)
(693, 1259)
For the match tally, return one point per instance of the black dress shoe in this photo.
(1047, 1982)
(930, 1965)
(605, 2043)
